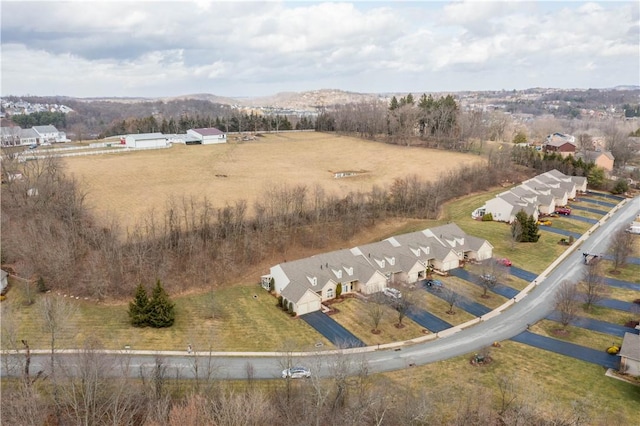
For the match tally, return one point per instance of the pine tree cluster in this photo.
(157, 311)
(528, 228)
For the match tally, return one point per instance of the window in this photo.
(330, 293)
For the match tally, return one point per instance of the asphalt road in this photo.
(536, 305)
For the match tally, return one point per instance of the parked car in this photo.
(489, 277)
(296, 373)
(545, 222)
(392, 292)
(504, 262)
(433, 283)
(563, 210)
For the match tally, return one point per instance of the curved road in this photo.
(528, 310)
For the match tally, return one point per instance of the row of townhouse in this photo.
(539, 195)
(367, 269)
(36, 135)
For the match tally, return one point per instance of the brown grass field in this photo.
(128, 186)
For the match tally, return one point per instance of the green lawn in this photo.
(230, 319)
(351, 316)
(577, 335)
(543, 379)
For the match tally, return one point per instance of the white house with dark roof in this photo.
(208, 135)
(368, 269)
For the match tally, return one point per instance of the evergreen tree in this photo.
(138, 308)
(161, 311)
(528, 231)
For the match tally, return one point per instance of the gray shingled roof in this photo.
(45, 129)
(209, 131)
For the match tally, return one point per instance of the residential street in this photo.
(513, 321)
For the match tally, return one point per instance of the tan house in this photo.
(603, 159)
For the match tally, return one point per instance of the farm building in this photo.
(146, 140)
(208, 135)
(630, 354)
(305, 283)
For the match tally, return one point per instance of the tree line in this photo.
(236, 122)
(43, 118)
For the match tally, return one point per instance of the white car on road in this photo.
(296, 373)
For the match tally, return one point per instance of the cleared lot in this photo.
(128, 186)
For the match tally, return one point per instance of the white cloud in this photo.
(231, 48)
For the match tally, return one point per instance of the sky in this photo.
(249, 49)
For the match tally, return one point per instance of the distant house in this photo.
(146, 140)
(305, 283)
(49, 134)
(209, 135)
(28, 137)
(603, 159)
(558, 142)
(630, 355)
(10, 135)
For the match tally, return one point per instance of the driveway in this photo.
(568, 349)
(622, 284)
(462, 302)
(618, 305)
(594, 201)
(604, 195)
(596, 325)
(590, 210)
(582, 218)
(521, 273)
(630, 260)
(427, 320)
(500, 289)
(559, 231)
(334, 332)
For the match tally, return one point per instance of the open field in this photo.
(128, 186)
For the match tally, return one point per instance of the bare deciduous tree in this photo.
(567, 302)
(592, 285)
(620, 247)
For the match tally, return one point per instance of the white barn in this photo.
(146, 140)
(209, 135)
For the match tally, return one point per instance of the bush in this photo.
(3, 297)
(487, 217)
(40, 285)
(613, 350)
(338, 289)
(621, 186)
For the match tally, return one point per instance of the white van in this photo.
(633, 229)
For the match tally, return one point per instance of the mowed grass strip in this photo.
(474, 292)
(630, 272)
(613, 316)
(440, 308)
(353, 315)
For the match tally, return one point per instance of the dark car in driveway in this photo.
(563, 210)
(433, 283)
